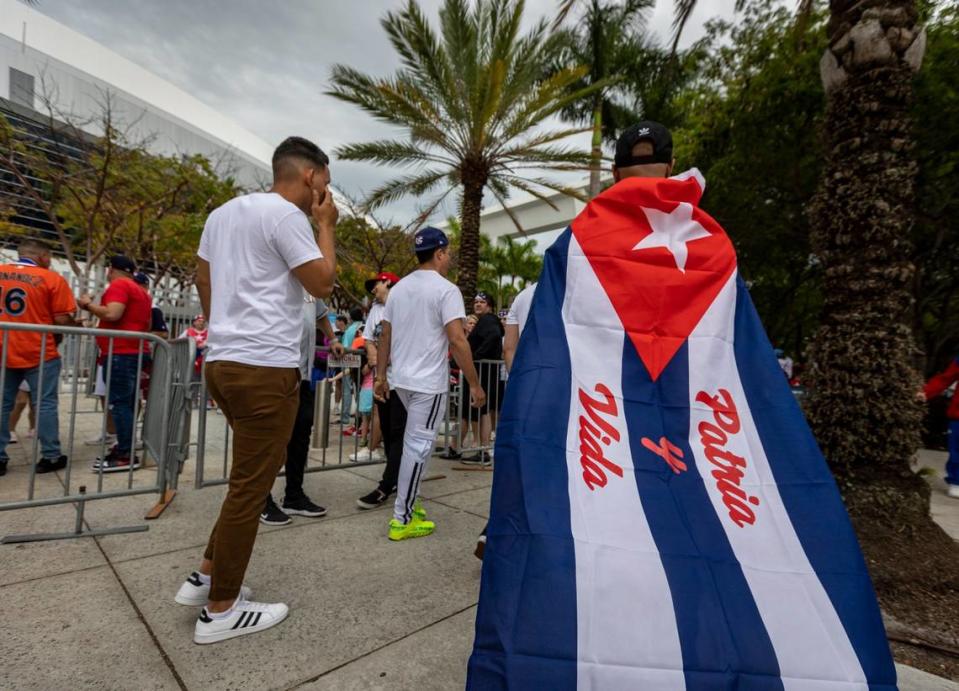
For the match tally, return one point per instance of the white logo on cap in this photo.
(643, 131)
(419, 240)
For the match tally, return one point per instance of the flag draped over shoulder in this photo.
(662, 517)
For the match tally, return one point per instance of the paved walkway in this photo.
(365, 613)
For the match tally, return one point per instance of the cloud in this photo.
(266, 64)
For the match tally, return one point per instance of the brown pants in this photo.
(260, 404)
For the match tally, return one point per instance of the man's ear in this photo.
(616, 175)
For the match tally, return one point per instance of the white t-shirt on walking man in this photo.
(519, 310)
(252, 243)
(418, 310)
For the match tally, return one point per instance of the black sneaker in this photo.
(451, 454)
(3, 468)
(375, 498)
(48, 465)
(117, 464)
(303, 507)
(273, 515)
(111, 454)
(481, 458)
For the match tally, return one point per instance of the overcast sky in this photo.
(266, 64)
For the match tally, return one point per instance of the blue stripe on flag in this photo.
(810, 496)
(526, 636)
(724, 641)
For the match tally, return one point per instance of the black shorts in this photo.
(493, 385)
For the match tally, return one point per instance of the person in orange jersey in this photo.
(30, 293)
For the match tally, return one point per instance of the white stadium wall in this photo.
(77, 72)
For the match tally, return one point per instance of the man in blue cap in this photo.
(422, 321)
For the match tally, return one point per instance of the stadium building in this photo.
(47, 68)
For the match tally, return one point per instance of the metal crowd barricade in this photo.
(163, 421)
(334, 449)
(472, 431)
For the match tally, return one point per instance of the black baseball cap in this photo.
(485, 297)
(141, 278)
(647, 130)
(123, 263)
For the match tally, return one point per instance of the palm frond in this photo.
(391, 152)
(529, 186)
(416, 184)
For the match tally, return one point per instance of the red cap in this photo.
(391, 278)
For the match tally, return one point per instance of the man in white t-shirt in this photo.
(379, 287)
(515, 321)
(423, 320)
(257, 254)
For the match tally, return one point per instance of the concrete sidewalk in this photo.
(365, 613)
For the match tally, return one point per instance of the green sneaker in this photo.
(419, 513)
(415, 528)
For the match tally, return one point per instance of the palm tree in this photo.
(520, 260)
(863, 408)
(608, 39)
(472, 100)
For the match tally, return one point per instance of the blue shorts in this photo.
(366, 401)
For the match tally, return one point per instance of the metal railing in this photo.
(158, 389)
(329, 439)
(468, 431)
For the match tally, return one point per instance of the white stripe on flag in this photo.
(627, 634)
(812, 647)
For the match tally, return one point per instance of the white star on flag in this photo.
(672, 231)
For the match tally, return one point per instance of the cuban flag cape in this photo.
(661, 515)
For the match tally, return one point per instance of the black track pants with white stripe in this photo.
(424, 413)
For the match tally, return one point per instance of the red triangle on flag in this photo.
(660, 259)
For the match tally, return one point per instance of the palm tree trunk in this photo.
(863, 405)
(596, 152)
(468, 265)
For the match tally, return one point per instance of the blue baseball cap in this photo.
(429, 238)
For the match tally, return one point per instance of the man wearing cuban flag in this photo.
(662, 517)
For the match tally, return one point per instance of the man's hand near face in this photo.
(323, 210)
(319, 276)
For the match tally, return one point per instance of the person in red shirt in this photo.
(123, 307)
(32, 294)
(934, 387)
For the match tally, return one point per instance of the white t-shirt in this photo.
(418, 310)
(519, 310)
(371, 331)
(252, 243)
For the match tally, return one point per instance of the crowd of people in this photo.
(266, 265)
(34, 294)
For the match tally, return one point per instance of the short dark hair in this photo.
(341, 318)
(32, 245)
(297, 148)
(356, 313)
(424, 256)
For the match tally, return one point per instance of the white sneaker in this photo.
(194, 593)
(365, 455)
(109, 440)
(245, 617)
(953, 491)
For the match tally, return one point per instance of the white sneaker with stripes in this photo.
(195, 593)
(245, 617)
